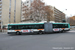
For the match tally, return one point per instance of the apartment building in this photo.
(28, 2)
(25, 4)
(30, 18)
(0, 11)
(23, 17)
(58, 15)
(10, 11)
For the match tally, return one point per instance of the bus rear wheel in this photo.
(18, 33)
(40, 32)
(62, 31)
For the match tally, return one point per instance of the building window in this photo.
(27, 1)
(27, 5)
(31, 0)
(9, 11)
(14, 11)
(0, 7)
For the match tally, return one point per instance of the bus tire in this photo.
(18, 33)
(40, 32)
(62, 31)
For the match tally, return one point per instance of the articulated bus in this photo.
(38, 28)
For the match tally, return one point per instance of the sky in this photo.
(66, 6)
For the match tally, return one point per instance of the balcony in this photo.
(0, 5)
(0, 18)
(0, 2)
(23, 19)
(0, 12)
(0, 15)
(0, 9)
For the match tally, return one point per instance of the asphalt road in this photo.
(54, 41)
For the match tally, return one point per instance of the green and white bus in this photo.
(25, 28)
(61, 27)
(39, 28)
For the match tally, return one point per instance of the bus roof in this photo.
(60, 23)
(25, 23)
(34, 23)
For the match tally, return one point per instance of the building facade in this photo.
(0, 11)
(10, 11)
(27, 3)
(23, 17)
(59, 16)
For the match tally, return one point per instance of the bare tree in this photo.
(48, 12)
(72, 20)
(38, 11)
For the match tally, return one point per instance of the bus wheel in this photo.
(62, 31)
(18, 33)
(41, 32)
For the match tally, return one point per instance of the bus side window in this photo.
(26, 26)
(66, 25)
(22, 27)
(34, 27)
(18, 27)
(41, 26)
(55, 25)
(9, 27)
(61, 26)
(37, 26)
(15, 27)
(30, 27)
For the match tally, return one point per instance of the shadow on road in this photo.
(37, 34)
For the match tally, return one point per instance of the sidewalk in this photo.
(3, 32)
(72, 28)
